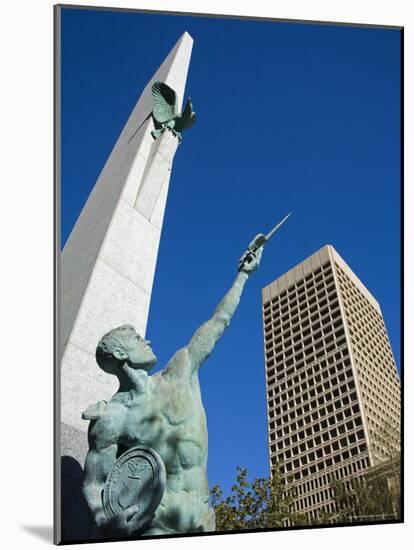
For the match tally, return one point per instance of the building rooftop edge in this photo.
(329, 252)
(345, 267)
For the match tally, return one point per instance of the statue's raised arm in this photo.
(206, 336)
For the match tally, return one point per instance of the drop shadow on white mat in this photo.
(43, 532)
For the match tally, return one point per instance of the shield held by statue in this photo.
(138, 477)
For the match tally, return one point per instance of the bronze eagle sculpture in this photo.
(165, 113)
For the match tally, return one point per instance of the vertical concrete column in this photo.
(108, 264)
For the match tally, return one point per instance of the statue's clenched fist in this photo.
(250, 260)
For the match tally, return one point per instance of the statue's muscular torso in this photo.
(168, 416)
(163, 412)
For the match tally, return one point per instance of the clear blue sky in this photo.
(291, 117)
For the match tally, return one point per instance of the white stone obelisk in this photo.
(108, 263)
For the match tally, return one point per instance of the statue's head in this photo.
(121, 345)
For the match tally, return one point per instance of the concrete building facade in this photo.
(331, 379)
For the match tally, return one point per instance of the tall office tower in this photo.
(332, 383)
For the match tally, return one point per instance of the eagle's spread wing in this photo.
(165, 99)
(186, 119)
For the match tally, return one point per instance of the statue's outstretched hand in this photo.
(250, 261)
(128, 522)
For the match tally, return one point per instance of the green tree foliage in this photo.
(262, 503)
(268, 502)
(364, 499)
(386, 450)
(376, 494)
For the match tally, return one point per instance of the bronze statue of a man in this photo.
(163, 412)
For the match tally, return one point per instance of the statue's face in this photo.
(140, 354)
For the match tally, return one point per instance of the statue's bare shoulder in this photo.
(179, 366)
(105, 429)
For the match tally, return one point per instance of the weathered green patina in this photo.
(163, 412)
(165, 113)
(259, 241)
